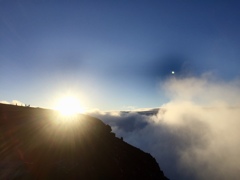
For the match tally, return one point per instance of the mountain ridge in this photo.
(38, 143)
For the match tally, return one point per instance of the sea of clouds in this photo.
(196, 135)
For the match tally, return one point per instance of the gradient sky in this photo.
(113, 54)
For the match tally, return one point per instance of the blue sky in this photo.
(112, 54)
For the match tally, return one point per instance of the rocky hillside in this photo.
(37, 143)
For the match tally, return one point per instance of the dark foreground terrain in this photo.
(40, 144)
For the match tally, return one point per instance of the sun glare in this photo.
(69, 106)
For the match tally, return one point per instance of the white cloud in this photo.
(14, 102)
(17, 102)
(4, 102)
(206, 90)
(195, 135)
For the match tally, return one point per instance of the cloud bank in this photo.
(14, 102)
(195, 135)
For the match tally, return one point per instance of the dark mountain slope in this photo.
(40, 144)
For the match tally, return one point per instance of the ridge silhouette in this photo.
(38, 143)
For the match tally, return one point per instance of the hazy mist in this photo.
(195, 135)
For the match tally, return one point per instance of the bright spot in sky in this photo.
(173, 72)
(69, 105)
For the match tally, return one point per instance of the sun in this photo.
(69, 105)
